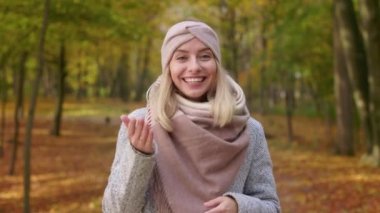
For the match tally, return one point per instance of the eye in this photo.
(181, 58)
(205, 56)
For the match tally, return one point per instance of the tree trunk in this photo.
(344, 101)
(262, 69)
(355, 58)
(60, 91)
(144, 72)
(370, 19)
(228, 22)
(139, 66)
(18, 112)
(124, 86)
(289, 102)
(47, 83)
(103, 80)
(119, 83)
(81, 90)
(3, 96)
(234, 44)
(114, 85)
(249, 93)
(122, 73)
(289, 115)
(32, 107)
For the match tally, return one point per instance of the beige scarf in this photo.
(197, 162)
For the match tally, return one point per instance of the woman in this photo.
(194, 148)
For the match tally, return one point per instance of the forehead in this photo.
(192, 45)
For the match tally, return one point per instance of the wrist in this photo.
(139, 152)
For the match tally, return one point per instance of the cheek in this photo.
(174, 75)
(213, 73)
(175, 69)
(211, 66)
(212, 69)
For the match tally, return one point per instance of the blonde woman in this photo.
(194, 148)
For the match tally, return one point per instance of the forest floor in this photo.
(69, 173)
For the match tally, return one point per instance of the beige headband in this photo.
(185, 31)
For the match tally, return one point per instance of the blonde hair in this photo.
(165, 104)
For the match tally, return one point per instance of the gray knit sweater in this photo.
(254, 188)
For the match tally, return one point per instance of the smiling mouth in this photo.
(194, 79)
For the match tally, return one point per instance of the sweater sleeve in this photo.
(129, 178)
(259, 193)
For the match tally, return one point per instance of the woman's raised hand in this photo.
(222, 204)
(139, 134)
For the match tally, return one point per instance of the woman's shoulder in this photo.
(255, 128)
(254, 124)
(138, 113)
(258, 143)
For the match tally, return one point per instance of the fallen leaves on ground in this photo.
(69, 173)
(311, 179)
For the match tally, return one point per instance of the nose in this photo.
(194, 65)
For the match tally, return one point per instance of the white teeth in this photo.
(193, 79)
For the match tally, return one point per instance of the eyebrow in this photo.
(185, 51)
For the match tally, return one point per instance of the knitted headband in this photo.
(185, 31)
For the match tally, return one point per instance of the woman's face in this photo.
(193, 70)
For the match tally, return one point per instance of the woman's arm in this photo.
(129, 178)
(259, 194)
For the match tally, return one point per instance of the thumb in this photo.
(213, 202)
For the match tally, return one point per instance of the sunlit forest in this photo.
(310, 70)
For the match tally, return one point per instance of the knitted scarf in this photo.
(197, 161)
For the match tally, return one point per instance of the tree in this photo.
(16, 30)
(370, 19)
(263, 42)
(32, 107)
(6, 54)
(60, 90)
(3, 99)
(18, 111)
(289, 105)
(298, 65)
(229, 28)
(120, 84)
(143, 73)
(355, 59)
(344, 101)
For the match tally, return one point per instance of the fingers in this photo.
(125, 119)
(139, 133)
(136, 135)
(144, 132)
(130, 123)
(146, 138)
(212, 203)
(221, 204)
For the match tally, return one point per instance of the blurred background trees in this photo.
(299, 57)
(315, 58)
(281, 52)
